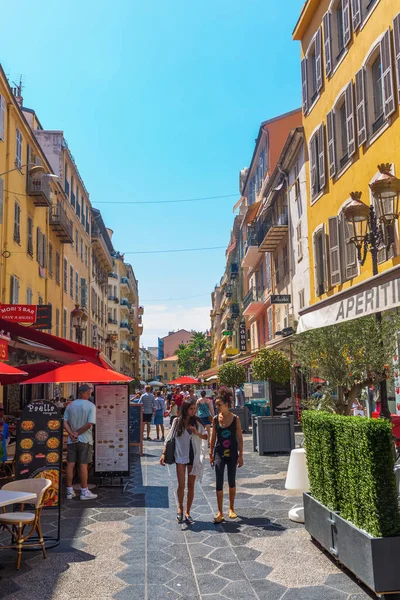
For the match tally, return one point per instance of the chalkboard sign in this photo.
(39, 449)
(136, 426)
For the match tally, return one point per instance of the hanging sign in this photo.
(242, 337)
(3, 350)
(18, 313)
(280, 299)
(43, 317)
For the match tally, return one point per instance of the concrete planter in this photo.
(372, 560)
(273, 434)
(243, 414)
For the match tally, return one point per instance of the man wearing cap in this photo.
(79, 418)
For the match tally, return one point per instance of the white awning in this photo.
(378, 293)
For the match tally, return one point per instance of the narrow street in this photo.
(130, 547)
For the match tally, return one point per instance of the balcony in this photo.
(103, 252)
(251, 252)
(125, 347)
(253, 302)
(113, 299)
(113, 275)
(234, 273)
(125, 304)
(62, 226)
(272, 231)
(124, 282)
(125, 325)
(112, 321)
(40, 188)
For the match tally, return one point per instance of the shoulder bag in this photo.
(169, 455)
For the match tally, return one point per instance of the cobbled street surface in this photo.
(129, 546)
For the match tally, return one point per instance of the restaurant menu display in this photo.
(112, 433)
(39, 447)
(136, 426)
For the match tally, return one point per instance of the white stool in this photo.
(297, 479)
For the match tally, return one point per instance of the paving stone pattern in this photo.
(130, 547)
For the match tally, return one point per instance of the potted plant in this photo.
(352, 509)
(233, 375)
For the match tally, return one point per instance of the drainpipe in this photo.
(290, 241)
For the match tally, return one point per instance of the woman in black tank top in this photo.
(226, 450)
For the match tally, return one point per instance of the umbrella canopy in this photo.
(143, 383)
(77, 372)
(155, 383)
(7, 373)
(185, 380)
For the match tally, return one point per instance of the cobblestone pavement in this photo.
(130, 547)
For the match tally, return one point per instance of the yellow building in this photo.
(168, 369)
(351, 91)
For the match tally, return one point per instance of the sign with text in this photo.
(112, 430)
(43, 316)
(242, 337)
(281, 299)
(3, 350)
(18, 313)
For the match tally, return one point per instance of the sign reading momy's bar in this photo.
(378, 297)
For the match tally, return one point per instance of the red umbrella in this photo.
(77, 372)
(7, 373)
(185, 380)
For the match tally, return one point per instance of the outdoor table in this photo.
(9, 497)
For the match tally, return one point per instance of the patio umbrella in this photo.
(77, 372)
(155, 383)
(185, 380)
(7, 373)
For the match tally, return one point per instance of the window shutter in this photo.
(12, 289)
(313, 164)
(318, 58)
(334, 253)
(83, 293)
(304, 84)
(44, 239)
(387, 75)
(1, 199)
(346, 21)
(330, 123)
(360, 104)
(321, 157)
(350, 254)
(38, 243)
(356, 12)
(396, 35)
(325, 263)
(351, 132)
(2, 116)
(327, 42)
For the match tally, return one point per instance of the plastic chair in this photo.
(15, 522)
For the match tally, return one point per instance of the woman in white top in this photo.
(190, 450)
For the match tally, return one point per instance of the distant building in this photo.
(153, 350)
(168, 369)
(173, 339)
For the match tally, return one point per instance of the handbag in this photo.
(169, 454)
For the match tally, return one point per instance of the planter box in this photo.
(375, 561)
(243, 414)
(274, 434)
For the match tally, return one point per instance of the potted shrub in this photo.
(233, 375)
(352, 509)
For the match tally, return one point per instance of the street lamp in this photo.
(366, 232)
(79, 322)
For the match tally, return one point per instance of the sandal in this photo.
(189, 520)
(179, 517)
(232, 514)
(219, 519)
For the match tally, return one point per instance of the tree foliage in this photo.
(350, 355)
(232, 374)
(273, 365)
(195, 356)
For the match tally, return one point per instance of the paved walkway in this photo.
(130, 547)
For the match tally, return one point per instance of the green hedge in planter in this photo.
(350, 466)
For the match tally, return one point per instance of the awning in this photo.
(8, 373)
(376, 294)
(230, 247)
(238, 203)
(184, 380)
(251, 212)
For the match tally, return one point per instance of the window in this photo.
(86, 256)
(73, 197)
(296, 184)
(337, 33)
(29, 296)
(276, 265)
(71, 330)
(30, 236)
(360, 10)
(349, 265)
(396, 37)
(268, 271)
(76, 242)
(285, 260)
(71, 281)
(57, 321)
(81, 249)
(334, 252)
(66, 182)
(311, 72)
(2, 117)
(87, 218)
(14, 290)
(58, 267)
(77, 287)
(83, 293)
(375, 87)
(17, 223)
(78, 208)
(41, 248)
(270, 324)
(317, 161)
(320, 262)
(18, 149)
(65, 275)
(299, 242)
(252, 190)
(165, 376)
(341, 131)
(301, 299)
(65, 324)
(50, 260)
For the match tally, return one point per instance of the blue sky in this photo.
(159, 101)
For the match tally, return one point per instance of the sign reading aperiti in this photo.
(281, 298)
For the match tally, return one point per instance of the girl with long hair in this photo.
(226, 450)
(189, 434)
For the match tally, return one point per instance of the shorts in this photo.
(205, 421)
(159, 418)
(81, 452)
(147, 417)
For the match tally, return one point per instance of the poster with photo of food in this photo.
(39, 447)
(112, 430)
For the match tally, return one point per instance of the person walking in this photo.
(192, 396)
(79, 418)
(159, 416)
(205, 412)
(178, 398)
(189, 434)
(239, 397)
(148, 400)
(226, 451)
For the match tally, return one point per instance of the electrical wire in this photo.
(176, 250)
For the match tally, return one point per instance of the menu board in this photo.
(39, 447)
(111, 434)
(136, 425)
